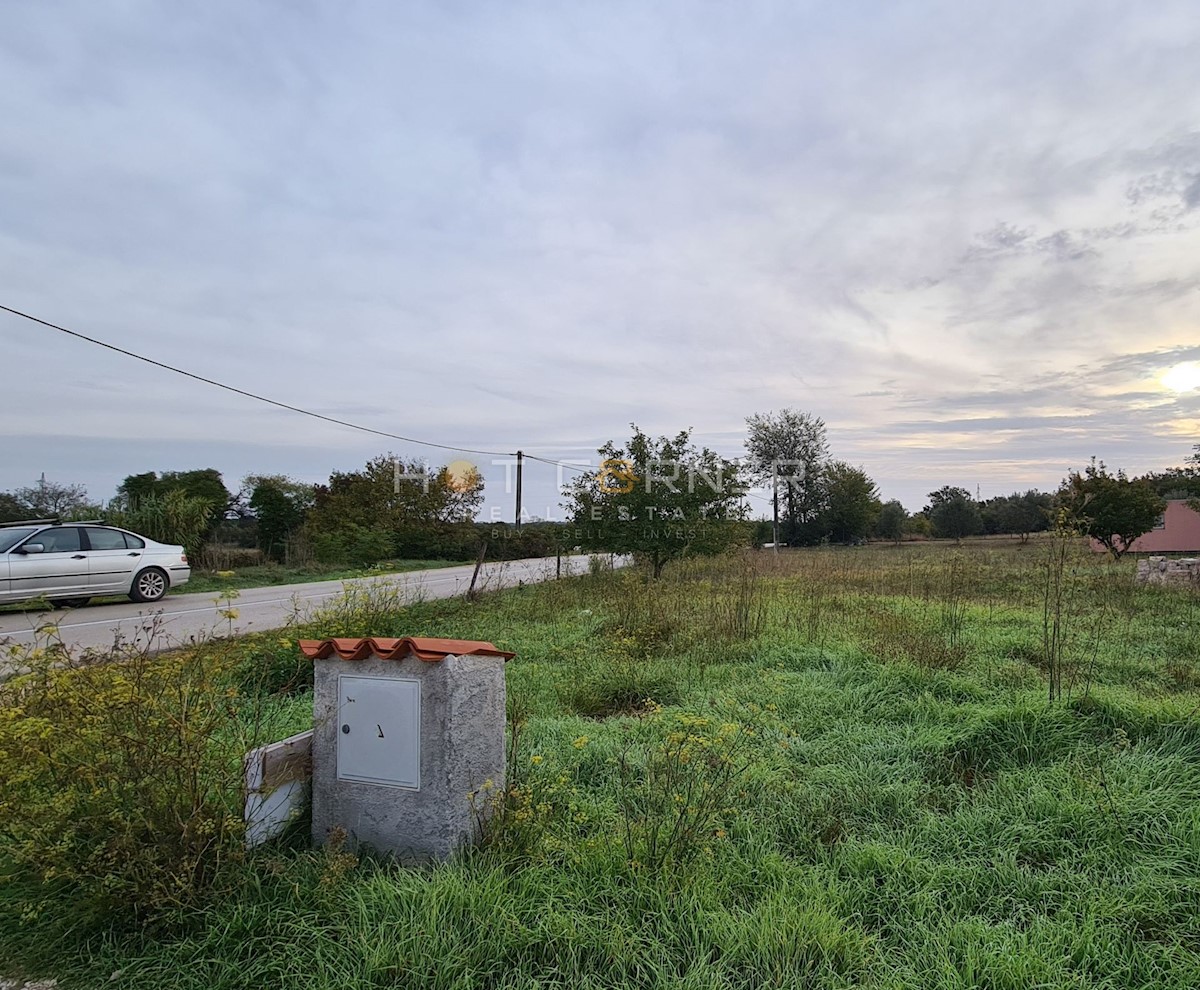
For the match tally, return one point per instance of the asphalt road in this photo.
(179, 618)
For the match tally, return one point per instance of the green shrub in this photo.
(679, 797)
(123, 779)
(174, 517)
(223, 557)
(352, 545)
(272, 665)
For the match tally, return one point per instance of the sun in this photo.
(1182, 377)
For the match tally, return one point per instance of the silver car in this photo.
(69, 563)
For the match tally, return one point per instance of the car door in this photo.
(58, 571)
(10, 538)
(111, 562)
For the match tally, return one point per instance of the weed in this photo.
(123, 778)
(912, 810)
(678, 799)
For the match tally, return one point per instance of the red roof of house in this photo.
(421, 647)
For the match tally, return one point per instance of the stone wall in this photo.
(1166, 570)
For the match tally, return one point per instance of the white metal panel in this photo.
(379, 730)
(277, 786)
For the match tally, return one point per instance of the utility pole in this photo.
(775, 507)
(520, 467)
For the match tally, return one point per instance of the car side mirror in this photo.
(33, 548)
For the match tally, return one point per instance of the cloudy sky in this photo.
(965, 234)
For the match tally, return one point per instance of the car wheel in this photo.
(150, 585)
(70, 602)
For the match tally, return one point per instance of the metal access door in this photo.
(379, 731)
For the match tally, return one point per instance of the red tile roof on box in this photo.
(421, 647)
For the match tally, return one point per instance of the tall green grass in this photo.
(904, 805)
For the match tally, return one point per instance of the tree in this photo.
(1193, 459)
(204, 484)
(394, 493)
(280, 505)
(1018, 513)
(953, 514)
(1111, 509)
(173, 517)
(851, 502)
(660, 500)
(789, 450)
(135, 487)
(1180, 482)
(52, 500)
(889, 525)
(12, 508)
(918, 525)
(460, 494)
(393, 506)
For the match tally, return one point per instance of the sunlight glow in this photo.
(1182, 377)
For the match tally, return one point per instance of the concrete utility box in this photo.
(404, 731)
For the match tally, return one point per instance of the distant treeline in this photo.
(395, 509)
(388, 510)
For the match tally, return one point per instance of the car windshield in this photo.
(9, 538)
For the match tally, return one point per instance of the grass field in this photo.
(269, 575)
(831, 768)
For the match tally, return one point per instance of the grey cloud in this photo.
(1158, 185)
(1001, 239)
(1007, 241)
(1065, 246)
(1191, 195)
(523, 226)
(1163, 289)
(1146, 362)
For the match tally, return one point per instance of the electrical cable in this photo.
(251, 395)
(296, 409)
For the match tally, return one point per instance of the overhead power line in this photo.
(590, 469)
(250, 395)
(285, 405)
(561, 464)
